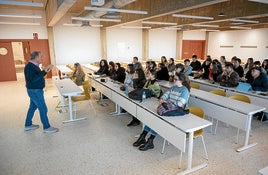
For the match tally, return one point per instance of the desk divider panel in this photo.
(231, 117)
(125, 103)
(170, 133)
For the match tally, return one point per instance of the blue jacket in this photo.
(260, 83)
(34, 77)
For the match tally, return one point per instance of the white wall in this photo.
(12, 31)
(123, 44)
(194, 35)
(162, 43)
(76, 44)
(257, 37)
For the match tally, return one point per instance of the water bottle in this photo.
(126, 89)
(143, 97)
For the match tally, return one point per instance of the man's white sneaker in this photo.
(31, 127)
(51, 130)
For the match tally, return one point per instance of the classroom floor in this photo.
(102, 144)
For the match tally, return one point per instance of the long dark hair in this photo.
(183, 79)
(131, 68)
(105, 63)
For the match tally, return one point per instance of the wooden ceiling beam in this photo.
(157, 8)
(55, 12)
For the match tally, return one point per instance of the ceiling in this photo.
(162, 11)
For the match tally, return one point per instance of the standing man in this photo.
(35, 82)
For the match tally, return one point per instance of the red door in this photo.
(7, 65)
(193, 47)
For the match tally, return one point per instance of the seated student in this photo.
(111, 72)
(129, 75)
(138, 83)
(248, 65)
(179, 95)
(222, 61)
(195, 64)
(78, 75)
(152, 84)
(104, 68)
(187, 68)
(204, 70)
(179, 68)
(171, 65)
(120, 73)
(164, 60)
(264, 65)
(215, 70)
(162, 72)
(259, 81)
(137, 64)
(228, 78)
(238, 68)
(153, 66)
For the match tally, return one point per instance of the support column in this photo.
(50, 35)
(145, 44)
(179, 39)
(103, 43)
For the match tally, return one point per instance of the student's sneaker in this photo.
(31, 127)
(51, 130)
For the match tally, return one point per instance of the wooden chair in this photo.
(199, 133)
(221, 93)
(196, 86)
(218, 92)
(85, 95)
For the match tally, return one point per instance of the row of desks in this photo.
(173, 129)
(255, 97)
(233, 112)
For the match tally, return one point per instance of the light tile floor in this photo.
(102, 144)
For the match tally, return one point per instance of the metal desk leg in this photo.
(117, 111)
(246, 145)
(190, 156)
(71, 112)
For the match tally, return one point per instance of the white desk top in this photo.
(234, 89)
(90, 66)
(187, 123)
(67, 87)
(64, 69)
(221, 101)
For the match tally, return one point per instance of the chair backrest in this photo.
(86, 87)
(218, 92)
(240, 97)
(200, 113)
(196, 86)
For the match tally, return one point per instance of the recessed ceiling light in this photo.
(221, 14)
(115, 10)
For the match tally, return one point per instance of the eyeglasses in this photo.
(175, 79)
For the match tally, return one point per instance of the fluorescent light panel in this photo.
(116, 10)
(205, 25)
(244, 20)
(192, 16)
(96, 19)
(158, 23)
(260, 1)
(20, 16)
(240, 27)
(20, 23)
(72, 25)
(30, 4)
(135, 27)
